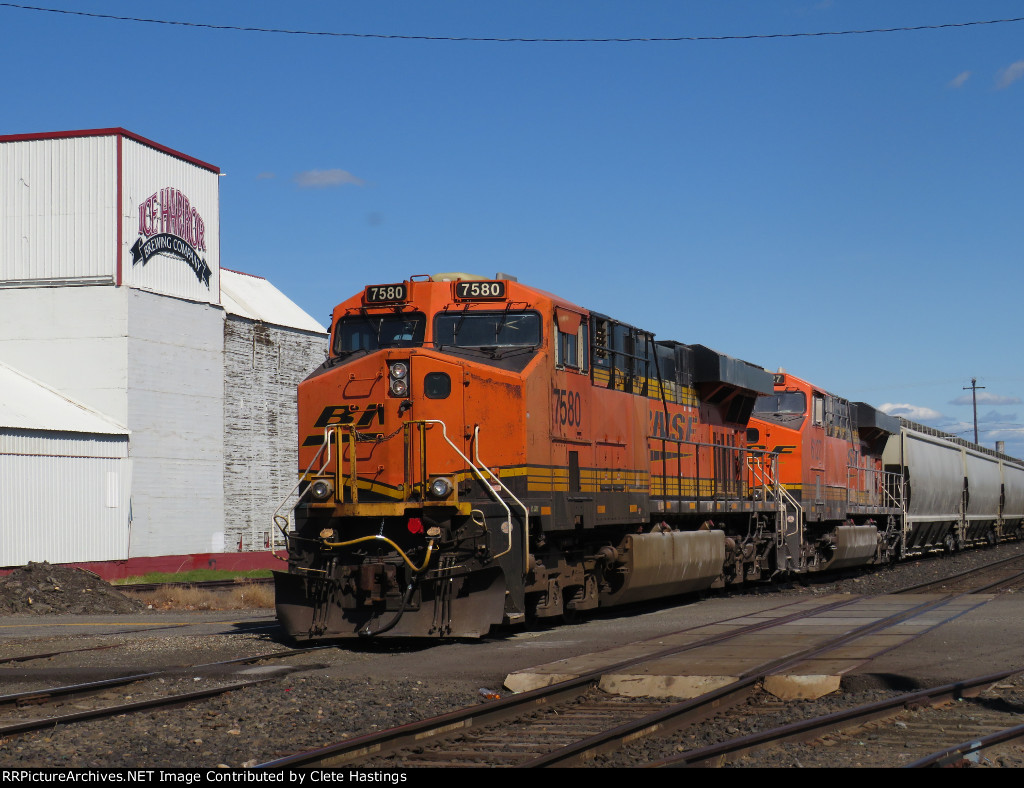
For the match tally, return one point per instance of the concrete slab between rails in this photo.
(524, 681)
(572, 667)
(793, 687)
(664, 686)
(693, 672)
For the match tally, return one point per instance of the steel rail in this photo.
(920, 587)
(381, 742)
(695, 709)
(691, 711)
(91, 687)
(673, 717)
(955, 755)
(110, 711)
(806, 730)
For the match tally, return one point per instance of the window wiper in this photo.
(458, 326)
(513, 351)
(501, 323)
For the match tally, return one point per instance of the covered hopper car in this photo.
(476, 452)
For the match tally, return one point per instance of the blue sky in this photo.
(848, 207)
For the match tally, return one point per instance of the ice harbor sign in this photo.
(170, 225)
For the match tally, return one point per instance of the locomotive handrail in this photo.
(783, 498)
(526, 511)
(276, 516)
(740, 450)
(886, 487)
(469, 462)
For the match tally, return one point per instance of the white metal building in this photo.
(111, 294)
(64, 473)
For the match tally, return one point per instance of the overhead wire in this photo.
(511, 39)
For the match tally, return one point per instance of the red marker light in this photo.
(415, 525)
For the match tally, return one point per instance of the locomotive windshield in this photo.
(373, 332)
(782, 406)
(487, 329)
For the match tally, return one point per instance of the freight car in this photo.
(953, 494)
(475, 452)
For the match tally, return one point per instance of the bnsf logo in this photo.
(344, 415)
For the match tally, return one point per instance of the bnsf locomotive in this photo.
(476, 452)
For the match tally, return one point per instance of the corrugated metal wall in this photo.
(74, 339)
(263, 366)
(58, 211)
(176, 415)
(66, 497)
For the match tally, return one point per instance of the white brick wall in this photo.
(263, 365)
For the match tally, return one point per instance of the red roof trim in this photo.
(242, 273)
(118, 132)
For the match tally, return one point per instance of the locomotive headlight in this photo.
(399, 387)
(440, 487)
(321, 489)
(398, 374)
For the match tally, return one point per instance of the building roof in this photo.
(112, 132)
(27, 404)
(253, 297)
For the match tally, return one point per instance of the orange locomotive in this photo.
(841, 507)
(477, 452)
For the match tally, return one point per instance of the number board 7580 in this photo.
(385, 294)
(479, 291)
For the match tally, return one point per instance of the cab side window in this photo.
(571, 349)
(818, 413)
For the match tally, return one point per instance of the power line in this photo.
(511, 40)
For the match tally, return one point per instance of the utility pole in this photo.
(974, 398)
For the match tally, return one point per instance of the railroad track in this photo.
(997, 576)
(569, 723)
(99, 699)
(900, 731)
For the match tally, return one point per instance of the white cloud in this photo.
(988, 399)
(959, 80)
(1006, 434)
(995, 417)
(322, 179)
(912, 412)
(265, 176)
(1010, 74)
